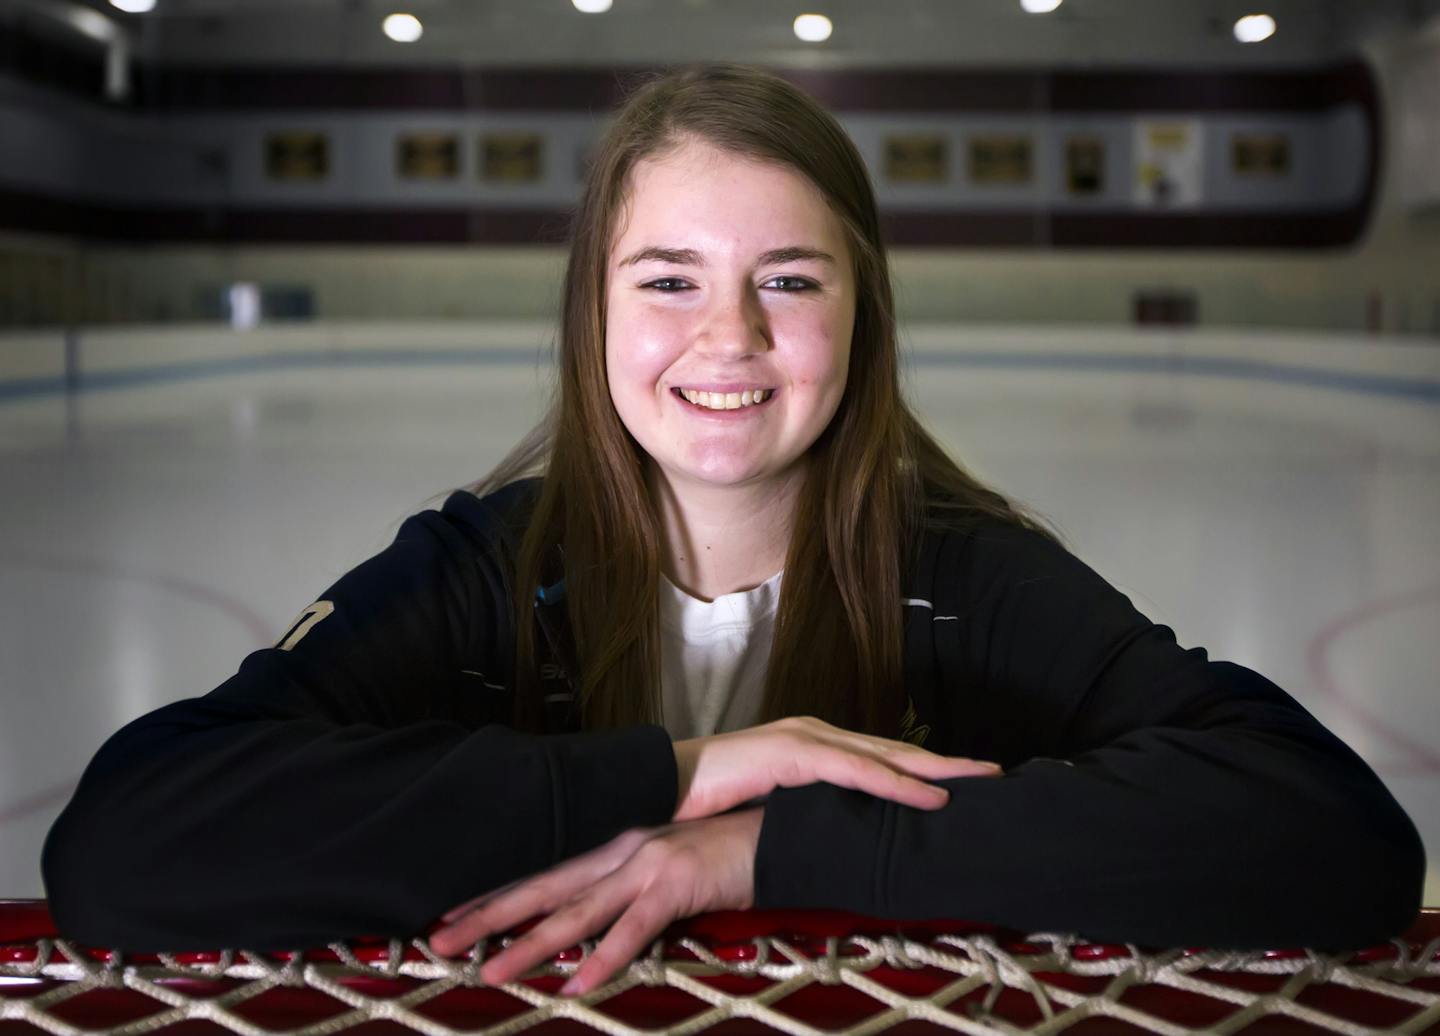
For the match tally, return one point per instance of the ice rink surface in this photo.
(153, 534)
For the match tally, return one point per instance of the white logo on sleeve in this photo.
(304, 623)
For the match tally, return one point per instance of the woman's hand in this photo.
(724, 770)
(647, 877)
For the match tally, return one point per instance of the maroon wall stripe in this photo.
(187, 89)
(173, 88)
(1302, 91)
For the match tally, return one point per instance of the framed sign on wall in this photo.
(297, 155)
(1085, 165)
(1000, 159)
(1260, 154)
(512, 157)
(917, 158)
(1168, 163)
(427, 156)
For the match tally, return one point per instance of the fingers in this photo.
(903, 755)
(524, 898)
(559, 931)
(461, 933)
(922, 763)
(688, 869)
(897, 777)
(501, 913)
(645, 918)
(637, 928)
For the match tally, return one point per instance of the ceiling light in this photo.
(134, 6)
(813, 28)
(1039, 6)
(403, 28)
(1254, 27)
(591, 6)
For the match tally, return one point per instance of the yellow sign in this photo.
(916, 158)
(428, 156)
(297, 156)
(511, 157)
(1000, 159)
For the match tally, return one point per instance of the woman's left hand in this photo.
(648, 877)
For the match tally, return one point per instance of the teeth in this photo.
(726, 400)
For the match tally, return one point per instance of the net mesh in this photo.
(728, 974)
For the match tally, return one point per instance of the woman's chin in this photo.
(736, 476)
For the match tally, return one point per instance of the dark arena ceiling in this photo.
(874, 33)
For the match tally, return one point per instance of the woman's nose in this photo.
(736, 324)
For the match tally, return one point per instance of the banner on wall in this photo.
(1260, 154)
(428, 156)
(1085, 165)
(1169, 164)
(1000, 158)
(296, 155)
(916, 158)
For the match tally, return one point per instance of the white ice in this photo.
(152, 535)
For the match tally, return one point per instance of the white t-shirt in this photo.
(713, 656)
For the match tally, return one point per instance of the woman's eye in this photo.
(665, 280)
(800, 283)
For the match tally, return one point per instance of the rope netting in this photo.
(802, 973)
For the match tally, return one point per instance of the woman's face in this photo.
(728, 276)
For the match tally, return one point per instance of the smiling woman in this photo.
(727, 629)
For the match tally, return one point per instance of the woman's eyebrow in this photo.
(690, 257)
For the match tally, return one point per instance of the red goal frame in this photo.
(752, 972)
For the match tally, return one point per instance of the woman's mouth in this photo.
(722, 404)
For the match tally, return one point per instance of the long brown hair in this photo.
(875, 479)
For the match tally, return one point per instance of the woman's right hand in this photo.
(722, 771)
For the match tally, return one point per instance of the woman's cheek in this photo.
(649, 347)
(825, 361)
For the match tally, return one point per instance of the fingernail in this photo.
(570, 988)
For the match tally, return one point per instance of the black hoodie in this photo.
(358, 778)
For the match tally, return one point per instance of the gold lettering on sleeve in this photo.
(911, 733)
(304, 623)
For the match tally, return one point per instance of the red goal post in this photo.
(728, 974)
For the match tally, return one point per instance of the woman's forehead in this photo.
(697, 166)
(782, 202)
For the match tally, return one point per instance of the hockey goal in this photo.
(727, 974)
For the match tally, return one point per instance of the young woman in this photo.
(747, 639)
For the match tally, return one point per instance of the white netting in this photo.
(976, 986)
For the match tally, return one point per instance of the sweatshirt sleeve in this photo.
(348, 782)
(1151, 795)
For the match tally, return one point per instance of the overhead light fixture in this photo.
(1254, 27)
(403, 28)
(134, 6)
(1040, 6)
(813, 28)
(591, 6)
